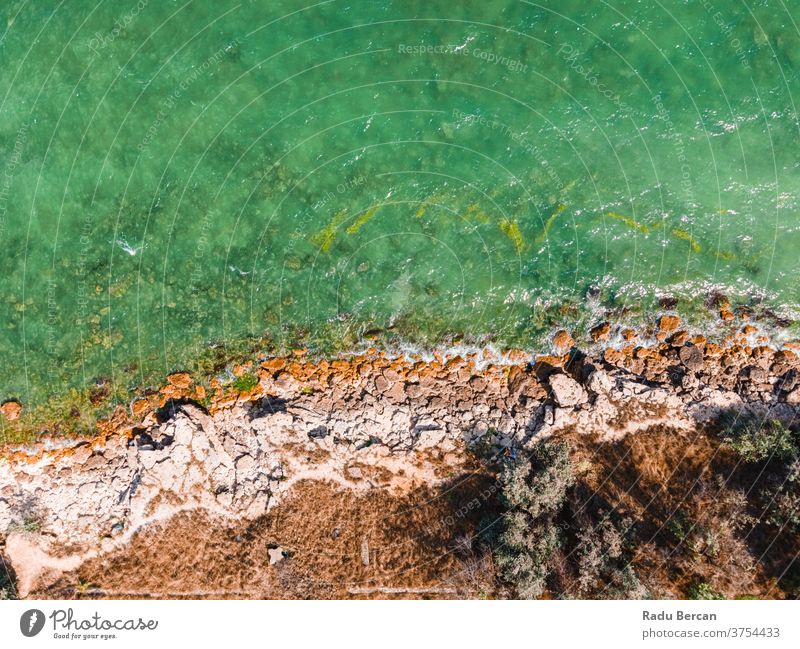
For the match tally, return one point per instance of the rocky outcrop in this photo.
(362, 422)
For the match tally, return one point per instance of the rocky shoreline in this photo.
(362, 423)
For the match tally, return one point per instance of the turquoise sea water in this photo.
(176, 174)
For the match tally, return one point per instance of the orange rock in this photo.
(749, 329)
(300, 352)
(628, 334)
(399, 365)
(180, 380)
(140, 407)
(601, 331)
(789, 355)
(295, 369)
(726, 314)
(514, 373)
(614, 356)
(274, 364)
(556, 361)
(679, 338)
(562, 341)
(454, 363)
(699, 340)
(11, 410)
(762, 350)
(668, 323)
(226, 401)
(517, 356)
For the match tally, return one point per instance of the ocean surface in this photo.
(183, 175)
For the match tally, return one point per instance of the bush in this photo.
(599, 545)
(524, 559)
(755, 440)
(625, 584)
(704, 590)
(602, 554)
(533, 492)
(538, 487)
(784, 501)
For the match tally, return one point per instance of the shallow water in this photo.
(182, 173)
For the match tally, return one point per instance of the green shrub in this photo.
(539, 485)
(784, 501)
(602, 560)
(704, 590)
(598, 546)
(679, 525)
(624, 584)
(533, 491)
(525, 556)
(755, 440)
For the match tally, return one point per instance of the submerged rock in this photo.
(11, 410)
(668, 323)
(601, 332)
(562, 341)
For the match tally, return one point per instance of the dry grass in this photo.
(694, 509)
(339, 545)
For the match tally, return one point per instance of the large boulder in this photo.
(567, 391)
(599, 382)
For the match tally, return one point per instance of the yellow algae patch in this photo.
(324, 238)
(361, 220)
(568, 188)
(627, 220)
(512, 231)
(474, 211)
(427, 203)
(724, 255)
(683, 235)
(561, 207)
(733, 212)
